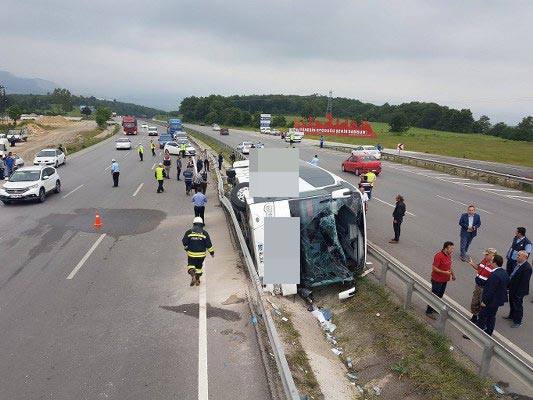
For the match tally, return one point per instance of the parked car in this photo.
(224, 131)
(30, 183)
(152, 131)
(144, 126)
(366, 150)
(244, 147)
(298, 136)
(180, 135)
(19, 162)
(275, 132)
(163, 139)
(123, 144)
(174, 148)
(202, 123)
(53, 157)
(259, 145)
(361, 165)
(18, 135)
(216, 127)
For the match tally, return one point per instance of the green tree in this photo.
(482, 125)
(102, 115)
(399, 123)
(14, 112)
(63, 98)
(86, 111)
(256, 119)
(279, 121)
(214, 117)
(246, 118)
(233, 116)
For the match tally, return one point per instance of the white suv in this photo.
(30, 183)
(53, 157)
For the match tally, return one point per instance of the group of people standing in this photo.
(493, 285)
(7, 165)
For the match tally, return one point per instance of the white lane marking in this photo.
(107, 168)
(504, 190)
(127, 154)
(463, 204)
(73, 190)
(137, 191)
(519, 199)
(480, 184)
(153, 166)
(86, 256)
(391, 205)
(453, 178)
(202, 342)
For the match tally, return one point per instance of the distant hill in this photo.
(16, 84)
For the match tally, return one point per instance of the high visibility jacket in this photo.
(141, 149)
(291, 137)
(197, 243)
(152, 146)
(371, 177)
(159, 173)
(183, 147)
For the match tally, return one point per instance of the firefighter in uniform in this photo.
(197, 244)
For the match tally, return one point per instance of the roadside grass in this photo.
(213, 143)
(412, 349)
(88, 138)
(299, 364)
(462, 145)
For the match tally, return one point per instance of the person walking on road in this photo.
(220, 160)
(2, 166)
(115, 172)
(206, 161)
(518, 288)
(469, 223)
(204, 182)
(494, 295)
(183, 150)
(197, 244)
(314, 161)
(364, 196)
(291, 139)
(152, 147)
(199, 165)
(188, 176)
(160, 177)
(140, 150)
(397, 218)
(520, 242)
(199, 200)
(178, 167)
(371, 179)
(10, 164)
(197, 182)
(167, 162)
(366, 185)
(441, 273)
(232, 158)
(483, 269)
(322, 142)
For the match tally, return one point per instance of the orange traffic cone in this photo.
(97, 221)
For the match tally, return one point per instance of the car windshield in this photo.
(369, 147)
(369, 158)
(46, 153)
(123, 140)
(25, 176)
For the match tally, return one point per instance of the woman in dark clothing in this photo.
(397, 215)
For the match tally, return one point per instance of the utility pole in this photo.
(330, 103)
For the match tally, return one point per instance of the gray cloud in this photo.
(465, 54)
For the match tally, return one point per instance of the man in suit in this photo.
(494, 296)
(469, 223)
(518, 288)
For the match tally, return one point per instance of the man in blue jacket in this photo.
(494, 296)
(469, 223)
(518, 288)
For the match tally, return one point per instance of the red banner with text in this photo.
(331, 127)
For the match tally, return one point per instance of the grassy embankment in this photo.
(464, 145)
(89, 138)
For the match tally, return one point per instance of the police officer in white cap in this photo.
(115, 172)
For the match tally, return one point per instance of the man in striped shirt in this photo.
(483, 269)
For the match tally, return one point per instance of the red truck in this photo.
(129, 124)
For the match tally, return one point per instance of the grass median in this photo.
(89, 138)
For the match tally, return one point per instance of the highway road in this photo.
(434, 203)
(88, 314)
(516, 170)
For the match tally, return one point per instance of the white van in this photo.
(332, 221)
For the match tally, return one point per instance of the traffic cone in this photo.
(97, 221)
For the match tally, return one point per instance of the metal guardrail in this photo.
(508, 180)
(515, 360)
(289, 387)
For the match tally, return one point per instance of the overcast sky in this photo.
(474, 54)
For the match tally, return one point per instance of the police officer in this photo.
(178, 167)
(183, 149)
(188, 175)
(152, 147)
(160, 177)
(291, 139)
(197, 244)
(140, 150)
(115, 172)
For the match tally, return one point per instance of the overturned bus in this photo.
(332, 224)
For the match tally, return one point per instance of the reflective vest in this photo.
(371, 177)
(159, 173)
(291, 137)
(197, 243)
(183, 147)
(141, 149)
(152, 146)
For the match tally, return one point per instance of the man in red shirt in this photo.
(441, 273)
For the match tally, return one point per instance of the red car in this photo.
(361, 165)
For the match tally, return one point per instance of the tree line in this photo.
(244, 111)
(61, 101)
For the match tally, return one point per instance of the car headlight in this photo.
(32, 187)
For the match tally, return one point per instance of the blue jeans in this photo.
(466, 239)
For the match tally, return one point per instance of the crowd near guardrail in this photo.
(520, 365)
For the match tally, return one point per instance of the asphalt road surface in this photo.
(126, 325)
(434, 203)
(515, 170)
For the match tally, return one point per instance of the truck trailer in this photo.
(129, 125)
(174, 125)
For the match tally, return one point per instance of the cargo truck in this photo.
(129, 125)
